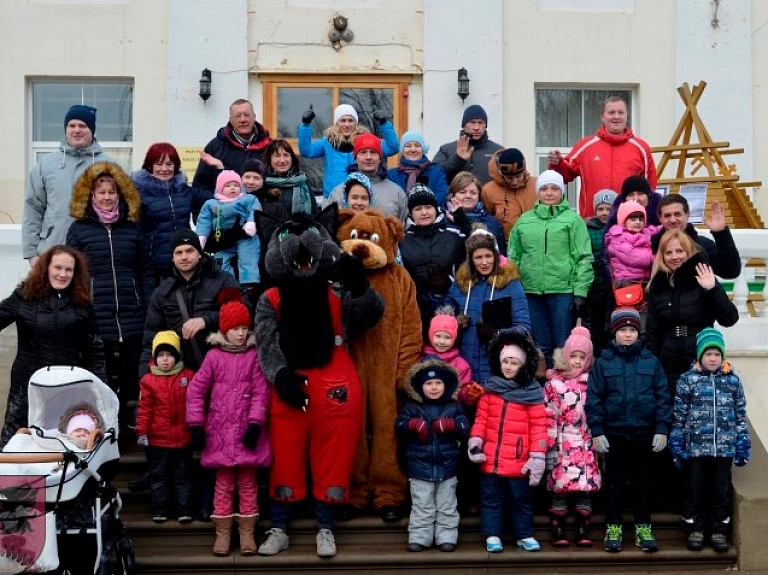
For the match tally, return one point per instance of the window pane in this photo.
(368, 100)
(291, 104)
(593, 103)
(558, 117)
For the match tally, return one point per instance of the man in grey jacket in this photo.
(46, 216)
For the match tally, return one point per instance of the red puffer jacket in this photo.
(162, 414)
(510, 431)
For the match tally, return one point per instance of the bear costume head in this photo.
(370, 236)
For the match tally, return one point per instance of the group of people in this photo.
(507, 389)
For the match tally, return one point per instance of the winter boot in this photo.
(581, 531)
(556, 532)
(246, 525)
(223, 526)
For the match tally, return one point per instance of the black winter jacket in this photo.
(200, 295)
(435, 244)
(688, 307)
(165, 208)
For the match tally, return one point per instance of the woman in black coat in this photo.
(105, 205)
(55, 324)
(684, 297)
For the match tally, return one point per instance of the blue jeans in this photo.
(552, 321)
(495, 490)
(280, 513)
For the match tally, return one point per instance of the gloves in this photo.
(198, 438)
(142, 441)
(678, 462)
(289, 386)
(659, 442)
(250, 228)
(444, 425)
(579, 307)
(473, 393)
(251, 435)
(418, 426)
(202, 239)
(475, 450)
(551, 459)
(308, 116)
(439, 280)
(740, 459)
(535, 467)
(485, 333)
(600, 443)
(380, 116)
(351, 274)
(462, 221)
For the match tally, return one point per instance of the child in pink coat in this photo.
(575, 469)
(228, 397)
(629, 245)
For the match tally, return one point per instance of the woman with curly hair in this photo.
(55, 323)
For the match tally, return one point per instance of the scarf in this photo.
(301, 200)
(173, 371)
(106, 217)
(510, 390)
(412, 170)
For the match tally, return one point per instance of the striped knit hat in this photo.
(709, 338)
(624, 316)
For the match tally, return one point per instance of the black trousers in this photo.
(170, 472)
(707, 494)
(628, 459)
(122, 365)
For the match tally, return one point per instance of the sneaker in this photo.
(644, 538)
(417, 547)
(277, 540)
(185, 519)
(447, 547)
(493, 545)
(719, 542)
(159, 518)
(695, 541)
(326, 544)
(612, 541)
(528, 544)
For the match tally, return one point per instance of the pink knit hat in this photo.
(444, 322)
(224, 178)
(628, 208)
(579, 340)
(512, 350)
(81, 420)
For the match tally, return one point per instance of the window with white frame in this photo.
(565, 115)
(113, 101)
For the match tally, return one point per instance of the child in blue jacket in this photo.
(432, 422)
(709, 434)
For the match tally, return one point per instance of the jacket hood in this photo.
(504, 275)
(145, 181)
(81, 193)
(451, 385)
(522, 339)
(89, 151)
(218, 339)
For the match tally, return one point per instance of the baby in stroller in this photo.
(79, 423)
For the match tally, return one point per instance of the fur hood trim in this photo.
(81, 193)
(218, 339)
(506, 274)
(522, 339)
(416, 394)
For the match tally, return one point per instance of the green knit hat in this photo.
(707, 339)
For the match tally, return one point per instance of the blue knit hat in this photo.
(85, 114)
(474, 112)
(708, 338)
(363, 180)
(413, 136)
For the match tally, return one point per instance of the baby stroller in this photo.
(58, 511)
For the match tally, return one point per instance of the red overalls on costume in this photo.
(327, 432)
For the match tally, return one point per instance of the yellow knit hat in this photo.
(167, 341)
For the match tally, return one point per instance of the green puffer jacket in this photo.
(552, 250)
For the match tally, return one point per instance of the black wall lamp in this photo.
(205, 85)
(463, 84)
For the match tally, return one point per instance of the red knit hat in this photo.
(444, 322)
(233, 312)
(364, 141)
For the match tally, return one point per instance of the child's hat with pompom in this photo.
(233, 312)
(444, 320)
(579, 340)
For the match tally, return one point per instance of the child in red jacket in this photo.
(509, 439)
(161, 427)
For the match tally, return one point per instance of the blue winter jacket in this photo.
(627, 393)
(437, 458)
(710, 414)
(336, 161)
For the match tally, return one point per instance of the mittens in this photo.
(380, 116)
(600, 443)
(202, 239)
(475, 450)
(485, 333)
(308, 116)
(473, 392)
(659, 442)
(250, 228)
(444, 425)
(142, 441)
(419, 427)
(351, 274)
(290, 386)
(251, 435)
(535, 468)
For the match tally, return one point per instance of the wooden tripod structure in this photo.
(691, 142)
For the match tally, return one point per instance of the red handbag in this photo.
(630, 296)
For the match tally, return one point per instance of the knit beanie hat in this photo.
(512, 350)
(635, 184)
(626, 209)
(361, 179)
(344, 110)
(85, 114)
(510, 162)
(604, 197)
(708, 338)
(481, 238)
(474, 112)
(440, 371)
(167, 340)
(444, 322)
(81, 420)
(254, 165)
(234, 314)
(225, 177)
(421, 195)
(413, 136)
(364, 141)
(185, 236)
(579, 340)
(549, 177)
(624, 316)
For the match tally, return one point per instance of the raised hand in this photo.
(705, 276)
(717, 222)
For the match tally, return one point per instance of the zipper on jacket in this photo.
(114, 284)
(499, 438)
(714, 414)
